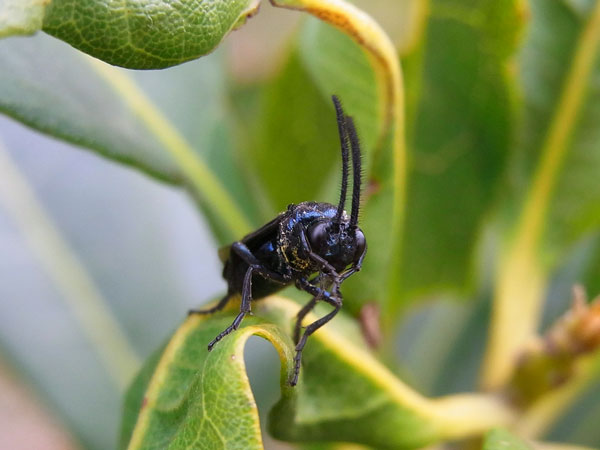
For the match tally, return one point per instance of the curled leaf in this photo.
(196, 398)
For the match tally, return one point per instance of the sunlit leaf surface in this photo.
(344, 393)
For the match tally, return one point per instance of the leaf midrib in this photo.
(520, 272)
(555, 145)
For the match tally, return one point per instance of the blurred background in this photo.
(142, 245)
(145, 256)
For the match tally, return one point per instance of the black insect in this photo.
(314, 245)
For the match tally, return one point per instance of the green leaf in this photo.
(501, 439)
(195, 398)
(371, 283)
(294, 148)
(165, 123)
(21, 16)
(188, 396)
(552, 181)
(574, 205)
(459, 130)
(344, 393)
(455, 156)
(590, 279)
(70, 100)
(145, 34)
(338, 65)
(199, 399)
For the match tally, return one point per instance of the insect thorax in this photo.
(302, 215)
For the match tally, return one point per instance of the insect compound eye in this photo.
(361, 243)
(318, 236)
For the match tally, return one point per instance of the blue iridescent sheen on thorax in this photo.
(308, 212)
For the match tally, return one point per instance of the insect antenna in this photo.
(341, 121)
(356, 170)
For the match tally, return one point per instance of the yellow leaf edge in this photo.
(453, 417)
(269, 332)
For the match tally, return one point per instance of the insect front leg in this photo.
(334, 299)
(317, 292)
(321, 262)
(355, 268)
(336, 302)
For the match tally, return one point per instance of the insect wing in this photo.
(265, 232)
(256, 237)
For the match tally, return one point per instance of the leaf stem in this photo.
(521, 278)
(208, 187)
(59, 261)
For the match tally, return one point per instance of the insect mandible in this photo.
(314, 245)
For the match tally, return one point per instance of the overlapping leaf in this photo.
(294, 148)
(458, 138)
(191, 398)
(145, 34)
(199, 399)
(339, 65)
(76, 101)
(559, 92)
(552, 194)
(457, 158)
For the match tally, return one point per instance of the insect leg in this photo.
(325, 266)
(355, 268)
(244, 252)
(337, 303)
(218, 307)
(244, 309)
(317, 293)
(300, 316)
